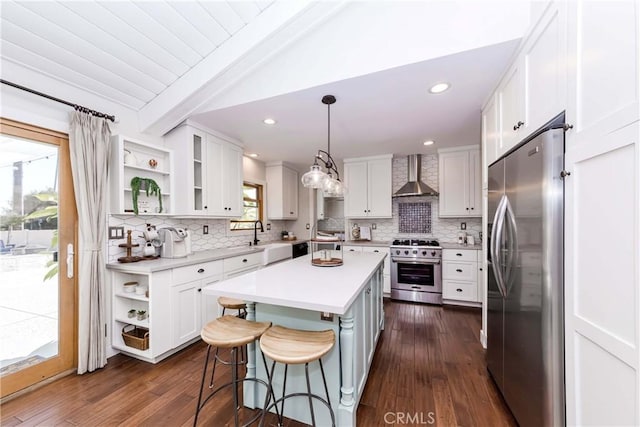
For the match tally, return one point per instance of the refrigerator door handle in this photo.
(512, 247)
(496, 237)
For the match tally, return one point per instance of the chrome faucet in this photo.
(255, 231)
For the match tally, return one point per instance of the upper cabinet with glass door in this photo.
(135, 165)
(211, 173)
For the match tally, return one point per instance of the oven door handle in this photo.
(425, 262)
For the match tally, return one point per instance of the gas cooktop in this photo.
(415, 242)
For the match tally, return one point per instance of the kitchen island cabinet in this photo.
(295, 294)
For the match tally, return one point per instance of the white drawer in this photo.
(242, 262)
(193, 272)
(460, 255)
(467, 271)
(461, 291)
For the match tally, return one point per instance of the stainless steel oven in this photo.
(416, 271)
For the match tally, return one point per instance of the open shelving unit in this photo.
(131, 158)
(157, 308)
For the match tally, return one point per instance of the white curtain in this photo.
(89, 146)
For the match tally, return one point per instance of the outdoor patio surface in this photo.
(28, 309)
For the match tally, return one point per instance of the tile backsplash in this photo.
(218, 237)
(442, 229)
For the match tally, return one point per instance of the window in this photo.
(252, 207)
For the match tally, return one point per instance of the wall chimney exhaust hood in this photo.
(415, 186)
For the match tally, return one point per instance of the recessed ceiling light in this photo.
(429, 142)
(254, 155)
(269, 121)
(439, 87)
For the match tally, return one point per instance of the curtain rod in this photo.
(62, 101)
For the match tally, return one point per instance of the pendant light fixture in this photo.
(316, 177)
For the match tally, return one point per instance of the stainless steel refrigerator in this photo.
(525, 339)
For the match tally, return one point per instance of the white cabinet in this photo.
(386, 286)
(223, 187)
(490, 136)
(460, 182)
(368, 181)
(601, 328)
(131, 158)
(512, 107)
(282, 191)
(545, 61)
(460, 283)
(156, 306)
(534, 88)
(211, 170)
(235, 266)
(187, 302)
(319, 204)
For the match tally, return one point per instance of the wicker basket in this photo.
(137, 337)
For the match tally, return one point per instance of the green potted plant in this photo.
(142, 314)
(149, 185)
(132, 313)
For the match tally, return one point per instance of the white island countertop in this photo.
(298, 284)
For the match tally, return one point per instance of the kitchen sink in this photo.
(274, 252)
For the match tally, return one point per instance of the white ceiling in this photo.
(389, 111)
(125, 51)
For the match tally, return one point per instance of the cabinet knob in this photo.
(471, 208)
(205, 207)
(567, 127)
(199, 289)
(290, 213)
(244, 260)
(376, 250)
(459, 270)
(467, 208)
(201, 270)
(518, 125)
(458, 290)
(458, 254)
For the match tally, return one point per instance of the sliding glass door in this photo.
(37, 238)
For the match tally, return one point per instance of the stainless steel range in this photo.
(416, 270)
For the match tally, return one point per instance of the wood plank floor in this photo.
(428, 369)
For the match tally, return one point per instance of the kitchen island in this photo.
(295, 294)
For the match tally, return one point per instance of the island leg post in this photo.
(249, 387)
(346, 409)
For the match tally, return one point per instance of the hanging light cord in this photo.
(329, 164)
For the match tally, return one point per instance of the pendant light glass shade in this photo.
(332, 187)
(314, 178)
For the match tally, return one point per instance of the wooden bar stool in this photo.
(295, 347)
(231, 332)
(231, 304)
